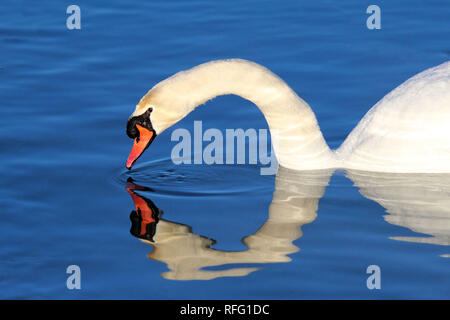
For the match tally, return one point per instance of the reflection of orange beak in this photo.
(141, 207)
(146, 215)
(140, 144)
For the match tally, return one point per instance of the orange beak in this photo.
(140, 144)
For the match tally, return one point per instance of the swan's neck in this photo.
(296, 137)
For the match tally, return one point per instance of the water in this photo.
(66, 95)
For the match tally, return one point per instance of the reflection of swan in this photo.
(294, 204)
(420, 202)
(407, 131)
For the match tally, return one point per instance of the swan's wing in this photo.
(408, 130)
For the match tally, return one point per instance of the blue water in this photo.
(65, 97)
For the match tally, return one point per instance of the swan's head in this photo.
(140, 128)
(155, 112)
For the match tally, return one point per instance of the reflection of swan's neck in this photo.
(295, 203)
(297, 139)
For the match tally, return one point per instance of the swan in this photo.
(406, 131)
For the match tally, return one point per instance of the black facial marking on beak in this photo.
(142, 120)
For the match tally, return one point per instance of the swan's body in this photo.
(407, 131)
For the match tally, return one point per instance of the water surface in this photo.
(65, 97)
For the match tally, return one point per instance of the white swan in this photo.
(407, 131)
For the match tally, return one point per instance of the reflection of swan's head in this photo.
(146, 216)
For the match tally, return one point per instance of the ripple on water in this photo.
(164, 177)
